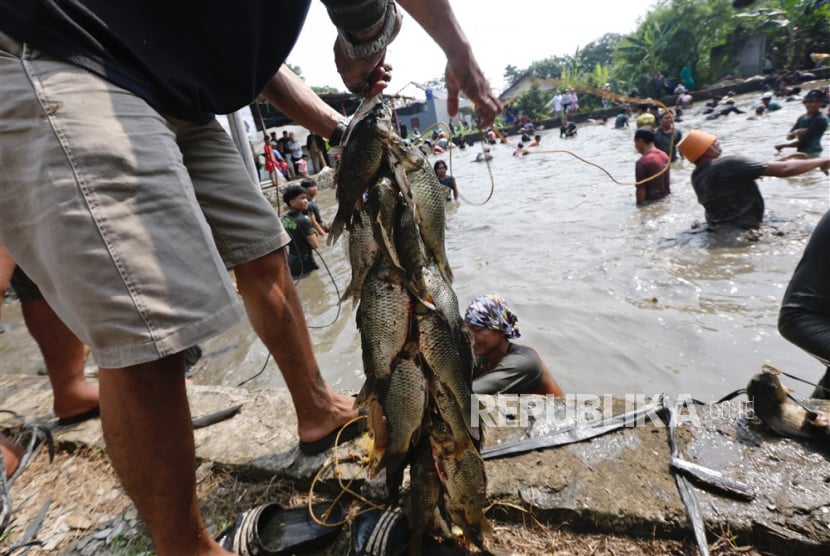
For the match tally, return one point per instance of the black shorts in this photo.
(23, 286)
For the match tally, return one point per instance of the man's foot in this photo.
(352, 430)
(338, 412)
(93, 413)
(77, 400)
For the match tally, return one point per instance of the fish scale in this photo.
(465, 484)
(428, 195)
(404, 404)
(363, 254)
(364, 156)
(383, 318)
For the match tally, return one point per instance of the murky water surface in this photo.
(617, 299)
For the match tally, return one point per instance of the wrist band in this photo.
(364, 49)
(337, 134)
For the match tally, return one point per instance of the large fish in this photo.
(384, 199)
(404, 399)
(422, 509)
(449, 411)
(363, 254)
(441, 295)
(413, 170)
(771, 403)
(449, 359)
(383, 317)
(365, 154)
(465, 484)
(398, 235)
(410, 251)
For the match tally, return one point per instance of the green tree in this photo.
(674, 34)
(325, 89)
(534, 103)
(794, 29)
(512, 75)
(678, 33)
(550, 68)
(599, 52)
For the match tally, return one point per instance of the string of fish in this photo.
(417, 354)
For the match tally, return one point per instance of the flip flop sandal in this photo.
(271, 529)
(386, 533)
(380, 533)
(80, 418)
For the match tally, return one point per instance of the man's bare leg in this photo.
(65, 357)
(147, 428)
(276, 315)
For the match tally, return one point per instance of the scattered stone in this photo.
(79, 522)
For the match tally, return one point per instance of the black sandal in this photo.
(271, 529)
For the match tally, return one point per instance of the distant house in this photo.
(418, 106)
(524, 84)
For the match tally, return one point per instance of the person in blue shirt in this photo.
(622, 119)
(446, 180)
(768, 103)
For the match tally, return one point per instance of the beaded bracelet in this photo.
(363, 49)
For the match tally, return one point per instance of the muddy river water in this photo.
(617, 299)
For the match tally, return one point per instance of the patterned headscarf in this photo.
(491, 311)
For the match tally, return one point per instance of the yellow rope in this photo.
(584, 88)
(334, 462)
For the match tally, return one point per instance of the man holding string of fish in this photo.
(140, 201)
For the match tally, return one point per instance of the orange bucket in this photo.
(695, 144)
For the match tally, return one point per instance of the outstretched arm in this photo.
(463, 73)
(787, 168)
(299, 102)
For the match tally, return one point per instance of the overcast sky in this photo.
(501, 33)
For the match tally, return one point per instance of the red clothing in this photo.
(648, 165)
(270, 160)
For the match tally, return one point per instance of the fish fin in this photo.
(418, 290)
(387, 246)
(352, 292)
(445, 270)
(338, 225)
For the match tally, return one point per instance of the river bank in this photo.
(613, 494)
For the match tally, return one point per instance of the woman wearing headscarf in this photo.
(502, 366)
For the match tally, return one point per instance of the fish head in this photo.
(766, 391)
(409, 158)
(372, 118)
(442, 441)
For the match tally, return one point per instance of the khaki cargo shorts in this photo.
(125, 219)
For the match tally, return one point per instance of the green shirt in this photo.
(810, 143)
